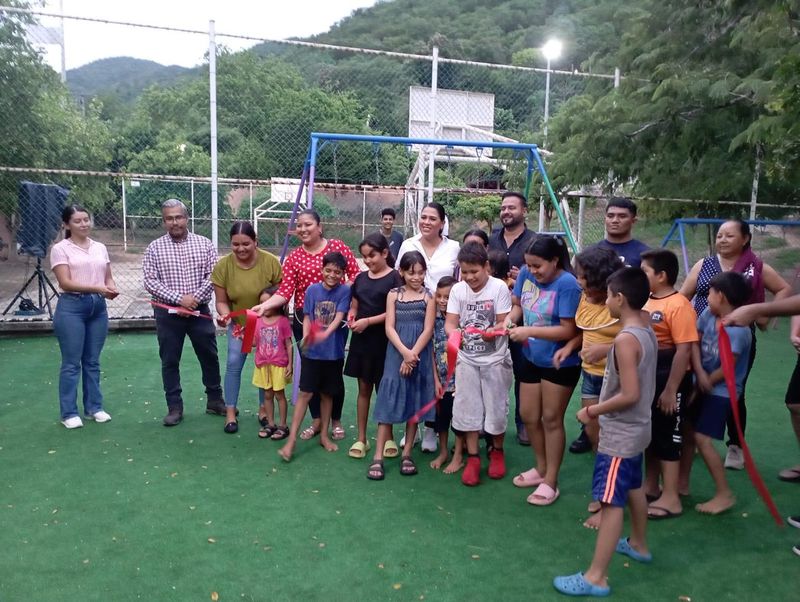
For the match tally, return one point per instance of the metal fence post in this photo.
(432, 150)
(191, 196)
(212, 95)
(124, 219)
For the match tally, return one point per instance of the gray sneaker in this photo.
(174, 417)
(734, 459)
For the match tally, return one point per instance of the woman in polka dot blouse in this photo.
(301, 269)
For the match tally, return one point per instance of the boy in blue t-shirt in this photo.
(326, 303)
(727, 291)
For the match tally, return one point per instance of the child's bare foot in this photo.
(593, 522)
(328, 444)
(456, 464)
(593, 507)
(717, 504)
(439, 460)
(286, 451)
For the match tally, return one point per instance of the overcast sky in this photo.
(274, 19)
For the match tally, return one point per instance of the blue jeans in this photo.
(81, 326)
(233, 370)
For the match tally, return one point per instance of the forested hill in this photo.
(123, 77)
(486, 30)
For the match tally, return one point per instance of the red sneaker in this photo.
(497, 464)
(472, 472)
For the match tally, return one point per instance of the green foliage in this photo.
(478, 208)
(40, 126)
(702, 97)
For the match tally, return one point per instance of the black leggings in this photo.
(793, 390)
(733, 436)
(313, 405)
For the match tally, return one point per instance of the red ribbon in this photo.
(247, 335)
(453, 345)
(729, 370)
(491, 333)
(314, 328)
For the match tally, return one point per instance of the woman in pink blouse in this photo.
(301, 269)
(83, 271)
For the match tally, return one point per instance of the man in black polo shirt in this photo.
(513, 238)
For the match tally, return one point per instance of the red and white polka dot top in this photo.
(301, 269)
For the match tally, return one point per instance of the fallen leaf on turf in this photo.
(192, 507)
(214, 596)
(475, 557)
(321, 545)
(380, 565)
(397, 586)
(315, 491)
(86, 561)
(684, 599)
(626, 564)
(55, 510)
(52, 451)
(212, 540)
(174, 474)
(744, 514)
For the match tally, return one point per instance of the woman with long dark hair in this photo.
(238, 280)
(440, 253)
(83, 270)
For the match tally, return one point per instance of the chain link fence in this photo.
(147, 134)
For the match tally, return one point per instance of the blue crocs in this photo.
(576, 585)
(623, 547)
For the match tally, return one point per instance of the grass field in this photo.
(131, 510)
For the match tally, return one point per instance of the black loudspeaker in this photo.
(40, 207)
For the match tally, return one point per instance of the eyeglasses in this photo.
(174, 218)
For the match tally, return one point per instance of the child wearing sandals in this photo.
(273, 340)
(546, 296)
(408, 382)
(445, 389)
(326, 303)
(366, 321)
(597, 331)
(624, 414)
(483, 370)
(727, 291)
(673, 319)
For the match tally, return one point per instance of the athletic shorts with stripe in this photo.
(614, 477)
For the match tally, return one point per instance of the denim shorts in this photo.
(591, 385)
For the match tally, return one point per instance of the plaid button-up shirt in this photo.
(173, 268)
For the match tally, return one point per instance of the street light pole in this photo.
(551, 50)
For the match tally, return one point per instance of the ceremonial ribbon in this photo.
(453, 345)
(247, 335)
(728, 369)
(492, 333)
(314, 328)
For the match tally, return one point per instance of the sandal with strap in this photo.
(308, 433)
(529, 478)
(359, 449)
(338, 433)
(390, 449)
(544, 495)
(375, 472)
(407, 466)
(266, 431)
(280, 432)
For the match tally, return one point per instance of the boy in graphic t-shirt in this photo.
(483, 369)
(672, 318)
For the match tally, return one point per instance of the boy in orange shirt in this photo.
(674, 322)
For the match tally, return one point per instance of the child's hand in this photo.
(795, 340)
(410, 357)
(668, 403)
(406, 369)
(703, 381)
(583, 416)
(222, 321)
(359, 325)
(288, 374)
(322, 335)
(593, 354)
(439, 390)
(559, 356)
(510, 325)
(518, 334)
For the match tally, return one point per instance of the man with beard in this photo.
(513, 238)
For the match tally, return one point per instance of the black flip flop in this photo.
(280, 432)
(267, 431)
(667, 513)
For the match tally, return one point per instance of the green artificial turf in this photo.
(131, 510)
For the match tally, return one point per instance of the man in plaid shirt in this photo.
(177, 268)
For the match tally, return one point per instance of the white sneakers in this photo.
(75, 422)
(417, 438)
(101, 416)
(429, 440)
(734, 459)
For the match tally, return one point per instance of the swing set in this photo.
(414, 196)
